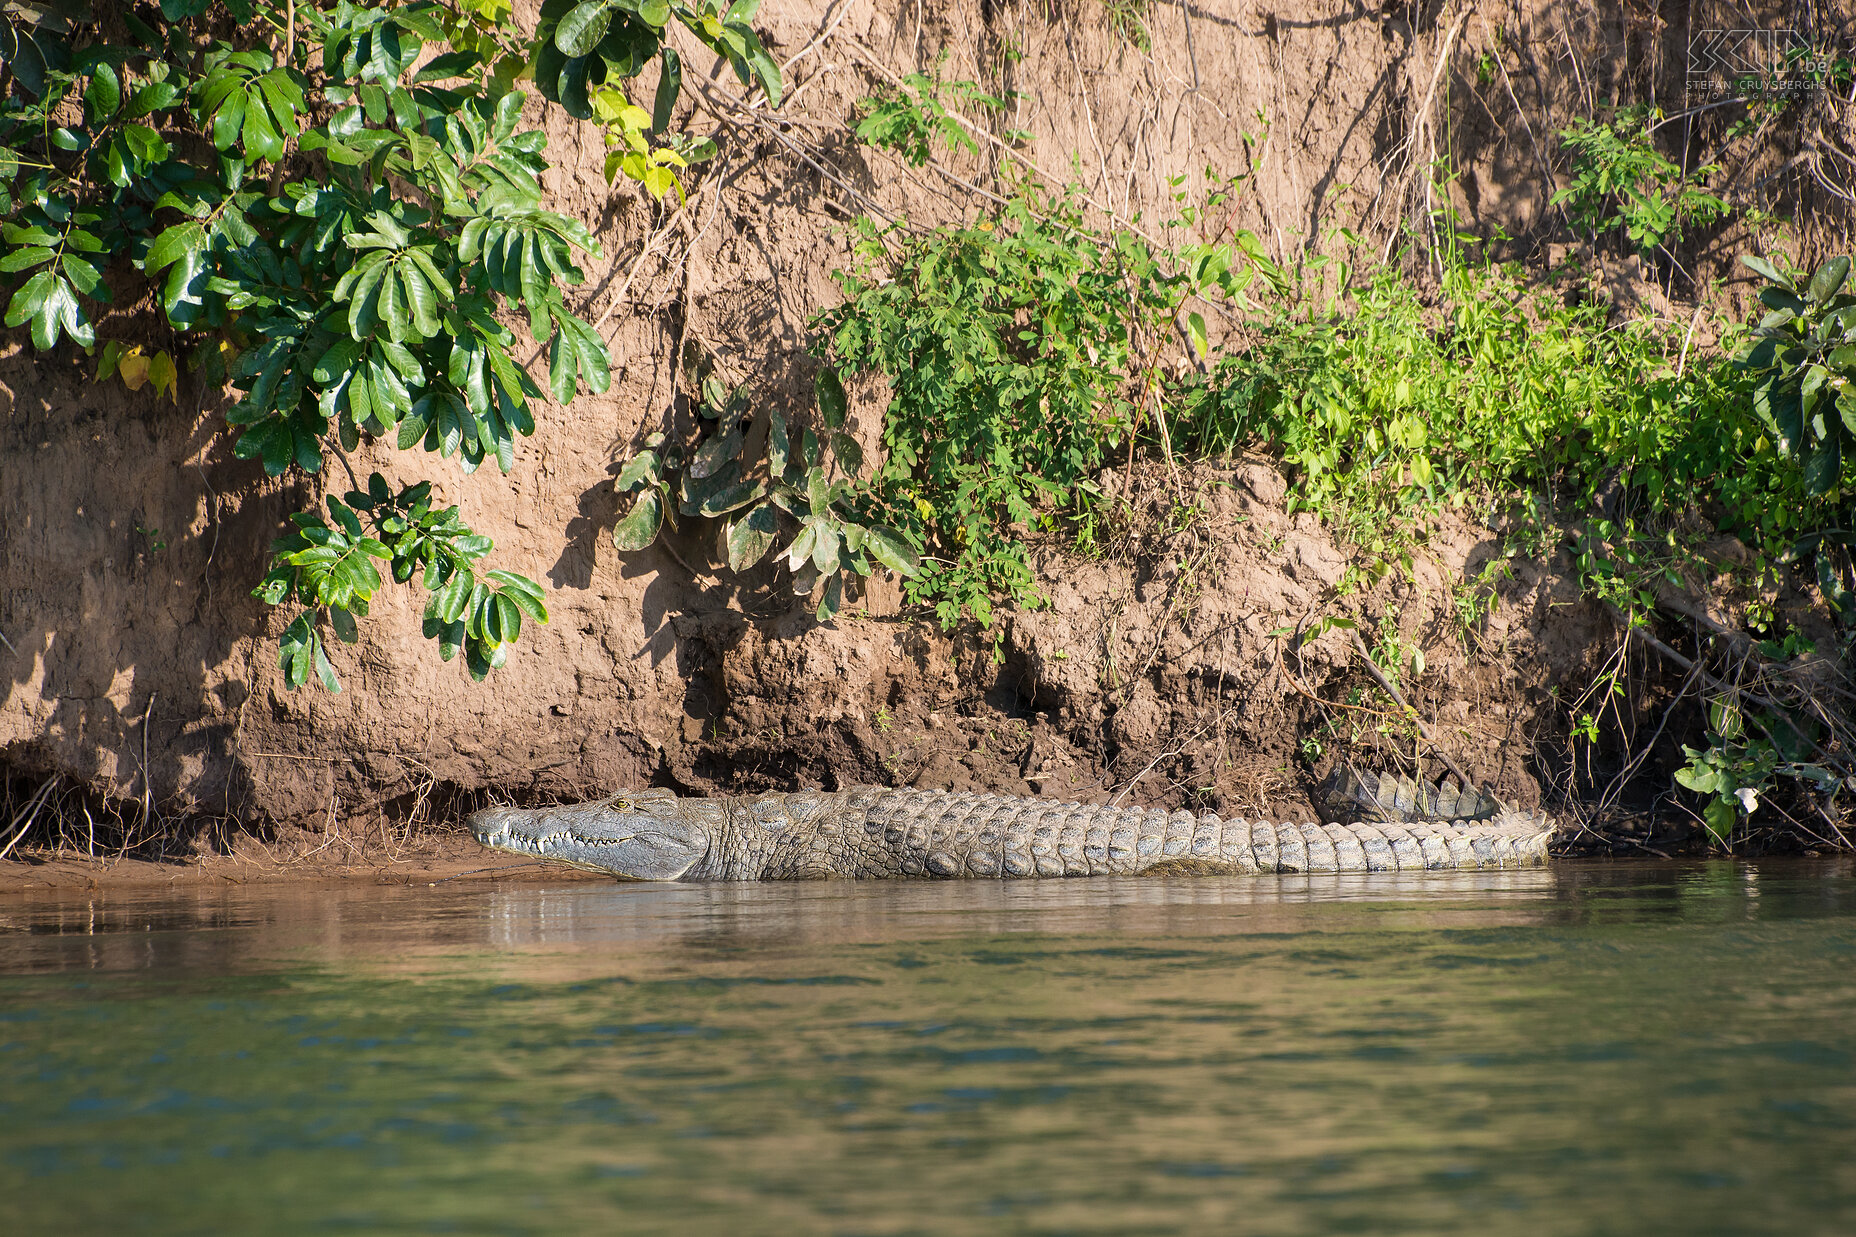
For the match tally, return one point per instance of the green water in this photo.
(1592, 1049)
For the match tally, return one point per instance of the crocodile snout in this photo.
(492, 824)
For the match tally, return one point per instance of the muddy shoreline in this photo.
(440, 858)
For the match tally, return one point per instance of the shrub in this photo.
(341, 222)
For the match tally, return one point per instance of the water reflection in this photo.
(142, 930)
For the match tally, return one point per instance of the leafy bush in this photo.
(586, 48)
(748, 463)
(1620, 180)
(1020, 351)
(1387, 410)
(1802, 357)
(339, 220)
(910, 118)
(1390, 408)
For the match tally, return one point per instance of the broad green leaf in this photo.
(764, 69)
(1822, 467)
(825, 546)
(669, 82)
(751, 536)
(173, 244)
(262, 139)
(324, 670)
(1195, 330)
(800, 551)
(831, 398)
(528, 603)
(584, 26)
(1760, 266)
(732, 498)
(779, 448)
(715, 452)
(26, 258)
(642, 469)
(229, 120)
(1829, 280)
(104, 94)
(834, 598)
(1720, 817)
(639, 527)
(850, 455)
(893, 550)
(508, 616)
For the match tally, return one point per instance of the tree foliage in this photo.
(337, 202)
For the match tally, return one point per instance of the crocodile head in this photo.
(635, 835)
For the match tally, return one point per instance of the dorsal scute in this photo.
(1350, 795)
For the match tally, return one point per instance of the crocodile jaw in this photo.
(621, 838)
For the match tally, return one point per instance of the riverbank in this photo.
(1341, 486)
(303, 859)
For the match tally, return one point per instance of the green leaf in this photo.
(639, 527)
(834, 598)
(324, 670)
(523, 593)
(47, 301)
(825, 546)
(831, 398)
(779, 447)
(85, 277)
(800, 551)
(174, 244)
(731, 498)
(763, 68)
(451, 64)
(642, 469)
(714, 453)
(179, 295)
(508, 617)
(1822, 467)
(669, 82)
(1829, 280)
(584, 26)
(391, 305)
(1720, 817)
(229, 120)
(1760, 266)
(153, 97)
(893, 550)
(751, 536)
(262, 138)
(104, 94)
(850, 455)
(1195, 330)
(27, 258)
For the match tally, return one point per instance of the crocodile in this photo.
(869, 833)
(1351, 795)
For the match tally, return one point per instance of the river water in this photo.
(1641, 1048)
